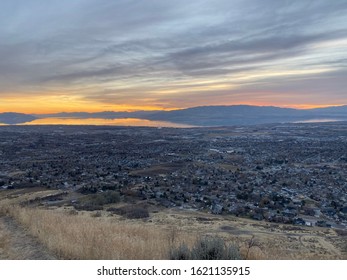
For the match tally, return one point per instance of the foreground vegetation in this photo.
(72, 234)
(121, 230)
(85, 237)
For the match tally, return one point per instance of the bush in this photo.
(207, 248)
(96, 201)
(112, 196)
(233, 253)
(87, 207)
(105, 198)
(180, 253)
(137, 213)
(132, 212)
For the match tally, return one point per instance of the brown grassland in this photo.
(40, 231)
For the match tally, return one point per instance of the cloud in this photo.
(156, 50)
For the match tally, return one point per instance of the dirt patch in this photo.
(234, 230)
(17, 244)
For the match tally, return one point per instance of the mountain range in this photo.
(15, 118)
(202, 116)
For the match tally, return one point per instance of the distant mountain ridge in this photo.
(228, 115)
(334, 110)
(202, 116)
(15, 118)
(246, 115)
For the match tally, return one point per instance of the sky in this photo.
(126, 55)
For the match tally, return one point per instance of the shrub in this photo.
(233, 253)
(180, 253)
(112, 196)
(207, 248)
(96, 201)
(87, 207)
(137, 213)
(132, 212)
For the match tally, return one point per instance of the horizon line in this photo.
(297, 107)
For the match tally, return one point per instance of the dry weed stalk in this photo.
(251, 244)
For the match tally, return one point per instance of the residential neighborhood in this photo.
(281, 173)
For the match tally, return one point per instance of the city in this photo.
(281, 173)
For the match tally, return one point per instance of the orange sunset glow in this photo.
(55, 104)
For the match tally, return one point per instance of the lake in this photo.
(319, 120)
(111, 122)
(134, 122)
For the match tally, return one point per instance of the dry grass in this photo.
(72, 234)
(85, 237)
(17, 244)
(4, 243)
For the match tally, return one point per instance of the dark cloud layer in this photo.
(162, 51)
